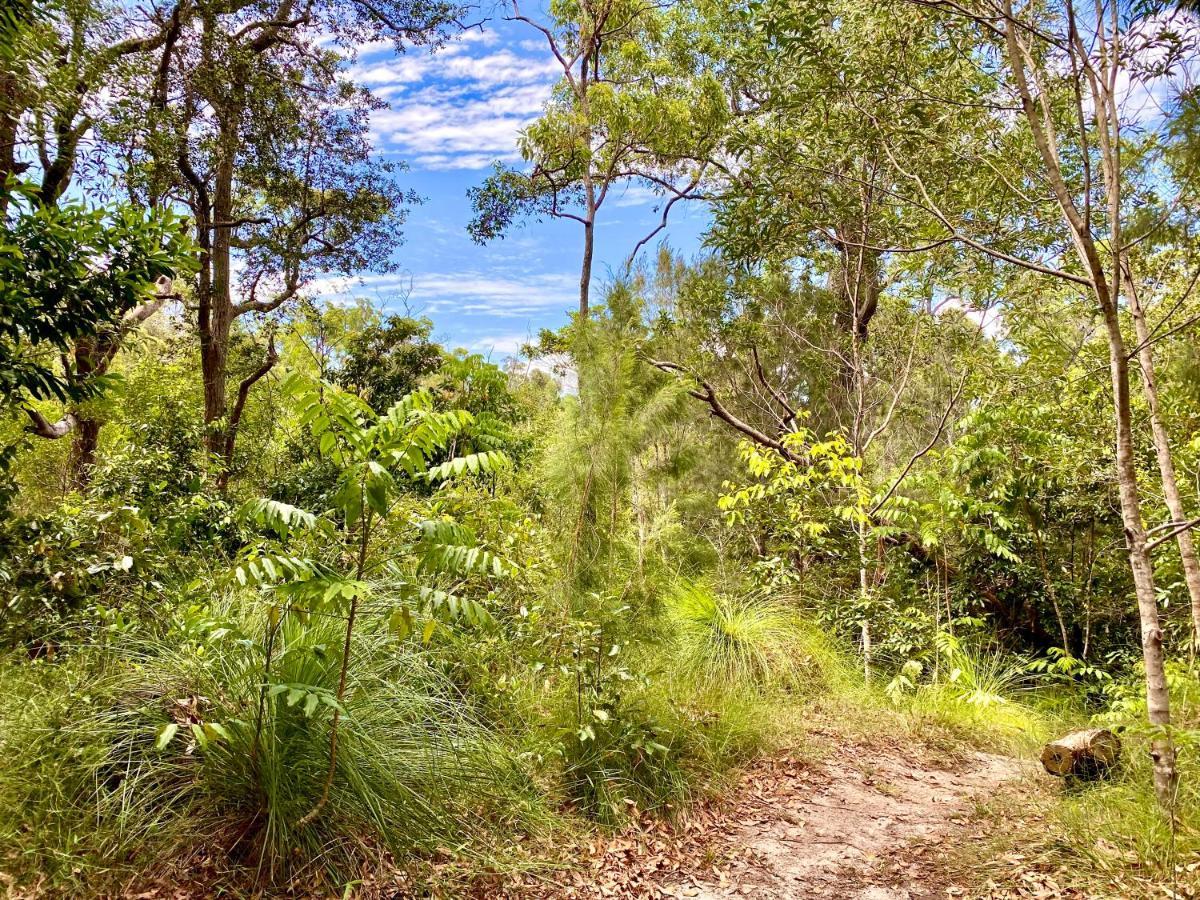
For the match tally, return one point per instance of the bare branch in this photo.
(920, 453)
(51, 430)
(1173, 533)
(707, 394)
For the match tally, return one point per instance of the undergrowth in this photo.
(165, 749)
(116, 757)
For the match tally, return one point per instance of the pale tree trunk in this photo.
(1158, 708)
(1100, 83)
(864, 593)
(855, 280)
(1166, 464)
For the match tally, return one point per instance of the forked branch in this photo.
(707, 393)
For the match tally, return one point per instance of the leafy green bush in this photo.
(624, 755)
(87, 562)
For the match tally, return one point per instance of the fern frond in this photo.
(459, 560)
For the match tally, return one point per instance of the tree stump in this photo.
(1083, 754)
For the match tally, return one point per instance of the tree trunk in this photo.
(1158, 708)
(585, 266)
(90, 359)
(216, 326)
(1166, 465)
(85, 441)
(864, 593)
(10, 117)
(855, 280)
(1106, 294)
(239, 407)
(1083, 754)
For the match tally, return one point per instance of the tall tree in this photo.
(632, 106)
(1065, 190)
(51, 88)
(258, 131)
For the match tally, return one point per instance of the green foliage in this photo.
(850, 472)
(735, 642)
(383, 362)
(614, 749)
(610, 460)
(67, 272)
(177, 744)
(92, 565)
(973, 691)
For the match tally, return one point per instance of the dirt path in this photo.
(863, 828)
(864, 825)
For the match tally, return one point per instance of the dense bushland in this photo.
(292, 595)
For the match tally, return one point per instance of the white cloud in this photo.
(438, 128)
(487, 293)
(467, 293)
(637, 195)
(461, 107)
(499, 345)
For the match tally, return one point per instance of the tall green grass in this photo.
(85, 783)
(975, 694)
(740, 642)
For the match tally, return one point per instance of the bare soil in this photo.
(867, 827)
(865, 824)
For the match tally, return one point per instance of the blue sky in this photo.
(451, 114)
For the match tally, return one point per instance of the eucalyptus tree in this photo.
(252, 124)
(1061, 186)
(635, 103)
(836, 324)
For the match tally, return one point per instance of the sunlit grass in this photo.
(735, 641)
(85, 786)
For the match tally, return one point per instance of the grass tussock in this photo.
(740, 642)
(87, 779)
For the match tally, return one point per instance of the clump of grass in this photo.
(982, 696)
(1117, 824)
(739, 642)
(415, 769)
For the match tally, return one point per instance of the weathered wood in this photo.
(1084, 754)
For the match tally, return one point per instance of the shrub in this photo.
(181, 746)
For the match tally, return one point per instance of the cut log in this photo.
(1084, 754)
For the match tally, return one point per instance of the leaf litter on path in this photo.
(870, 824)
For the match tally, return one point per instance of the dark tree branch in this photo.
(235, 417)
(708, 394)
(788, 423)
